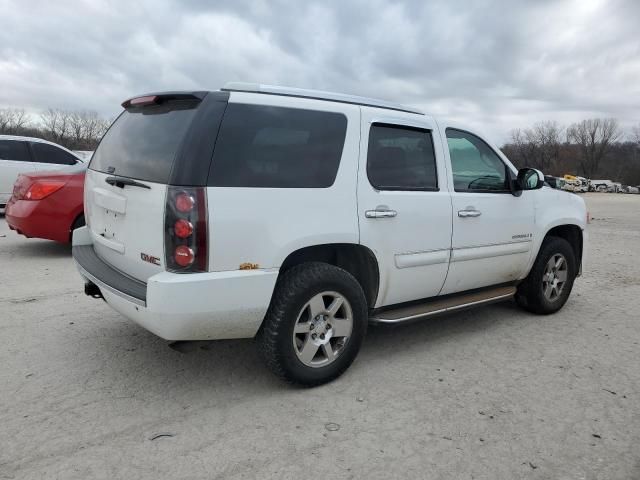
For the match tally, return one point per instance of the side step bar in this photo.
(441, 305)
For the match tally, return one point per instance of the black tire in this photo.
(530, 295)
(293, 290)
(77, 223)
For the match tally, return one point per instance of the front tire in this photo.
(548, 285)
(315, 324)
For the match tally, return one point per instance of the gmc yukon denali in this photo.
(299, 217)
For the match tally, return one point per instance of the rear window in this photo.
(401, 158)
(143, 142)
(263, 146)
(45, 153)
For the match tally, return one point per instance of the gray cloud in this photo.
(493, 64)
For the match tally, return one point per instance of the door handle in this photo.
(469, 213)
(380, 213)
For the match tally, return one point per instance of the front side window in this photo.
(275, 147)
(401, 158)
(475, 166)
(45, 153)
(14, 150)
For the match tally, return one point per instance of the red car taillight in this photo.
(19, 188)
(186, 246)
(37, 190)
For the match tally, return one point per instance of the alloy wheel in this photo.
(322, 329)
(554, 277)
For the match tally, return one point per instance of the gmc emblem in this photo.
(150, 258)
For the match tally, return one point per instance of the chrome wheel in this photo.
(554, 277)
(322, 329)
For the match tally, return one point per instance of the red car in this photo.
(48, 204)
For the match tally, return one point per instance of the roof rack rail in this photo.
(316, 95)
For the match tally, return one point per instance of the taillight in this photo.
(40, 189)
(183, 228)
(185, 202)
(19, 188)
(141, 101)
(185, 239)
(183, 256)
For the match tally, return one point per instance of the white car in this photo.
(27, 154)
(299, 217)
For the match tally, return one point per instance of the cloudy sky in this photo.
(495, 65)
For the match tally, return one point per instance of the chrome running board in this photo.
(441, 305)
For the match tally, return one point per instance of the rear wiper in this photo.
(120, 182)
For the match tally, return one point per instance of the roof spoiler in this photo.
(157, 98)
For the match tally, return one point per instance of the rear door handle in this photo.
(469, 213)
(380, 213)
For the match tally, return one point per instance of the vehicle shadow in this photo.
(236, 365)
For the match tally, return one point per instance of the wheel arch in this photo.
(356, 259)
(573, 234)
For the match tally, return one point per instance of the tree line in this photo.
(76, 130)
(596, 148)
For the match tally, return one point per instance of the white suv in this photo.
(298, 217)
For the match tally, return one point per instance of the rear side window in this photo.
(45, 153)
(14, 150)
(401, 158)
(143, 142)
(263, 146)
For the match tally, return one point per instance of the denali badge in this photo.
(150, 258)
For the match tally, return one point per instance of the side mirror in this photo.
(527, 179)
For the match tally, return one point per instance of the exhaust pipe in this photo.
(92, 290)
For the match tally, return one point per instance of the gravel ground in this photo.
(493, 393)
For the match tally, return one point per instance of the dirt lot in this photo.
(487, 394)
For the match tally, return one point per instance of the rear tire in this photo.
(315, 324)
(77, 223)
(548, 285)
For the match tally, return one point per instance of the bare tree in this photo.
(547, 138)
(594, 138)
(12, 120)
(523, 147)
(86, 129)
(57, 124)
(77, 127)
(538, 146)
(635, 134)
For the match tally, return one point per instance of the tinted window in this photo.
(143, 142)
(45, 153)
(261, 146)
(14, 150)
(401, 158)
(476, 167)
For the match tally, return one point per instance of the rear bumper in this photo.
(193, 306)
(38, 219)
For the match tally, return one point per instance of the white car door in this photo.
(404, 207)
(14, 159)
(492, 229)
